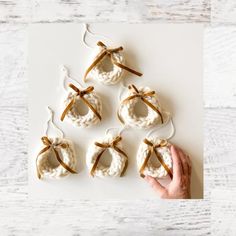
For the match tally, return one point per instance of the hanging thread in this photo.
(51, 121)
(86, 31)
(66, 76)
(171, 135)
(120, 131)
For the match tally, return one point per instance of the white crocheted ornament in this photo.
(144, 163)
(111, 77)
(98, 70)
(91, 99)
(56, 159)
(126, 110)
(119, 161)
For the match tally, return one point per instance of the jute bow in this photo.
(109, 52)
(142, 96)
(81, 94)
(105, 146)
(153, 148)
(49, 145)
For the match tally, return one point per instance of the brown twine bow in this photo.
(142, 96)
(153, 148)
(105, 146)
(81, 94)
(49, 145)
(109, 52)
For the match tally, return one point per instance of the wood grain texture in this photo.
(216, 214)
(63, 11)
(219, 64)
(223, 205)
(223, 11)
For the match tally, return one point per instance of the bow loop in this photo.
(64, 145)
(149, 143)
(86, 91)
(81, 93)
(111, 50)
(138, 93)
(163, 143)
(109, 145)
(116, 141)
(46, 141)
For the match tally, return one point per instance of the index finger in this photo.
(177, 166)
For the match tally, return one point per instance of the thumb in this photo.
(155, 185)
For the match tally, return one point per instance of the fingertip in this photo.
(148, 178)
(173, 148)
(154, 184)
(177, 166)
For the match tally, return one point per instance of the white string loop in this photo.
(87, 30)
(51, 121)
(122, 89)
(120, 131)
(65, 74)
(169, 120)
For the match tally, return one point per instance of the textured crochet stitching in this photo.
(67, 155)
(118, 164)
(90, 118)
(127, 114)
(108, 77)
(150, 169)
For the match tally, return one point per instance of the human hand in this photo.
(179, 187)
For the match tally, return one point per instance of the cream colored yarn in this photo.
(156, 172)
(107, 77)
(67, 155)
(126, 111)
(118, 160)
(90, 118)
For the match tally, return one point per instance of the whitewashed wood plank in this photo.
(24, 11)
(220, 66)
(219, 149)
(13, 150)
(223, 212)
(179, 11)
(223, 11)
(124, 218)
(13, 56)
(13, 11)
